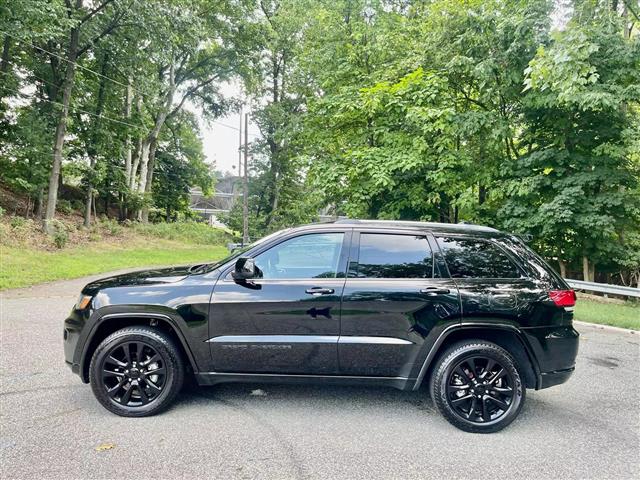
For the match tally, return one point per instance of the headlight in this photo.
(83, 302)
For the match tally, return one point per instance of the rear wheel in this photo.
(136, 372)
(477, 387)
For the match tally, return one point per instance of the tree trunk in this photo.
(482, 194)
(148, 147)
(144, 217)
(127, 149)
(585, 269)
(92, 151)
(563, 268)
(4, 63)
(40, 204)
(61, 128)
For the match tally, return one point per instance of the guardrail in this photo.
(604, 288)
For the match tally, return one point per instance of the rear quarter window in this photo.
(476, 258)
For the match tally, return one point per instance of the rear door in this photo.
(393, 299)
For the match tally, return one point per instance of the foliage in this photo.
(516, 114)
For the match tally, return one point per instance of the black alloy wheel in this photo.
(133, 373)
(136, 371)
(477, 387)
(480, 389)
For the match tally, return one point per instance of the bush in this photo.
(1, 212)
(78, 205)
(188, 232)
(60, 235)
(111, 226)
(64, 206)
(18, 222)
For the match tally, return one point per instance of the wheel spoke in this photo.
(110, 373)
(451, 387)
(139, 351)
(111, 359)
(114, 390)
(143, 395)
(503, 390)
(463, 375)
(127, 352)
(153, 359)
(499, 402)
(472, 365)
(490, 364)
(472, 410)
(152, 385)
(498, 375)
(157, 371)
(461, 399)
(127, 396)
(486, 416)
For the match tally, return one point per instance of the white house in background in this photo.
(227, 192)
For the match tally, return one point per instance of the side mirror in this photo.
(246, 269)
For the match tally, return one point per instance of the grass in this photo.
(618, 315)
(23, 267)
(28, 257)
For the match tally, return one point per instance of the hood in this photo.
(141, 277)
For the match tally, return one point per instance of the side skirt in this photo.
(213, 378)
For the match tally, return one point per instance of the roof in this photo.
(432, 226)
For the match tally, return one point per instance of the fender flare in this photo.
(144, 315)
(435, 348)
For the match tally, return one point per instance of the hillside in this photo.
(28, 257)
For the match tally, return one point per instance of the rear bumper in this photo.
(549, 379)
(555, 350)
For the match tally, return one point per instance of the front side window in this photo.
(475, 258)
(394, 256)
(308, 256)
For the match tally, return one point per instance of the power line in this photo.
(25, 96)
(93, 114)
(99, 74)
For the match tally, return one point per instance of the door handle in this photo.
(319, 291)
(435, 291)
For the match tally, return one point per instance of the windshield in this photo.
(207, 267)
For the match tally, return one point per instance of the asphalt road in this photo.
(51, 426)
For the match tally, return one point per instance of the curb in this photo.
(605, 327)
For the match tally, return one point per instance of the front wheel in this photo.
(477, 387)
(136, 372)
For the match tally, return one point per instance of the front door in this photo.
(288, 321)
(392, 303)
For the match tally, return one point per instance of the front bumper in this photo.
(555, 350)
(72, 333)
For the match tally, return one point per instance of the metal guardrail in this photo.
(604, 288)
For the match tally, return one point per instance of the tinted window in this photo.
(472, 258)
(394, 256)
(307, 256)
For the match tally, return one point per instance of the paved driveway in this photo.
(51, 426)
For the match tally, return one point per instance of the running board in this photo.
(213, 378)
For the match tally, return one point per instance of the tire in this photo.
(136, 372)
(476, 386)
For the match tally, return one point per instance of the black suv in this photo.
(469, 311)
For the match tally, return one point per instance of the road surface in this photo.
(51, 426)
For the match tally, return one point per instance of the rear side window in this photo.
(475, 258)
(394, 256)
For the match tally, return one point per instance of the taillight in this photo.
(563, 298)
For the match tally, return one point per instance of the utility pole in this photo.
(240, 144)
(245, 184)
